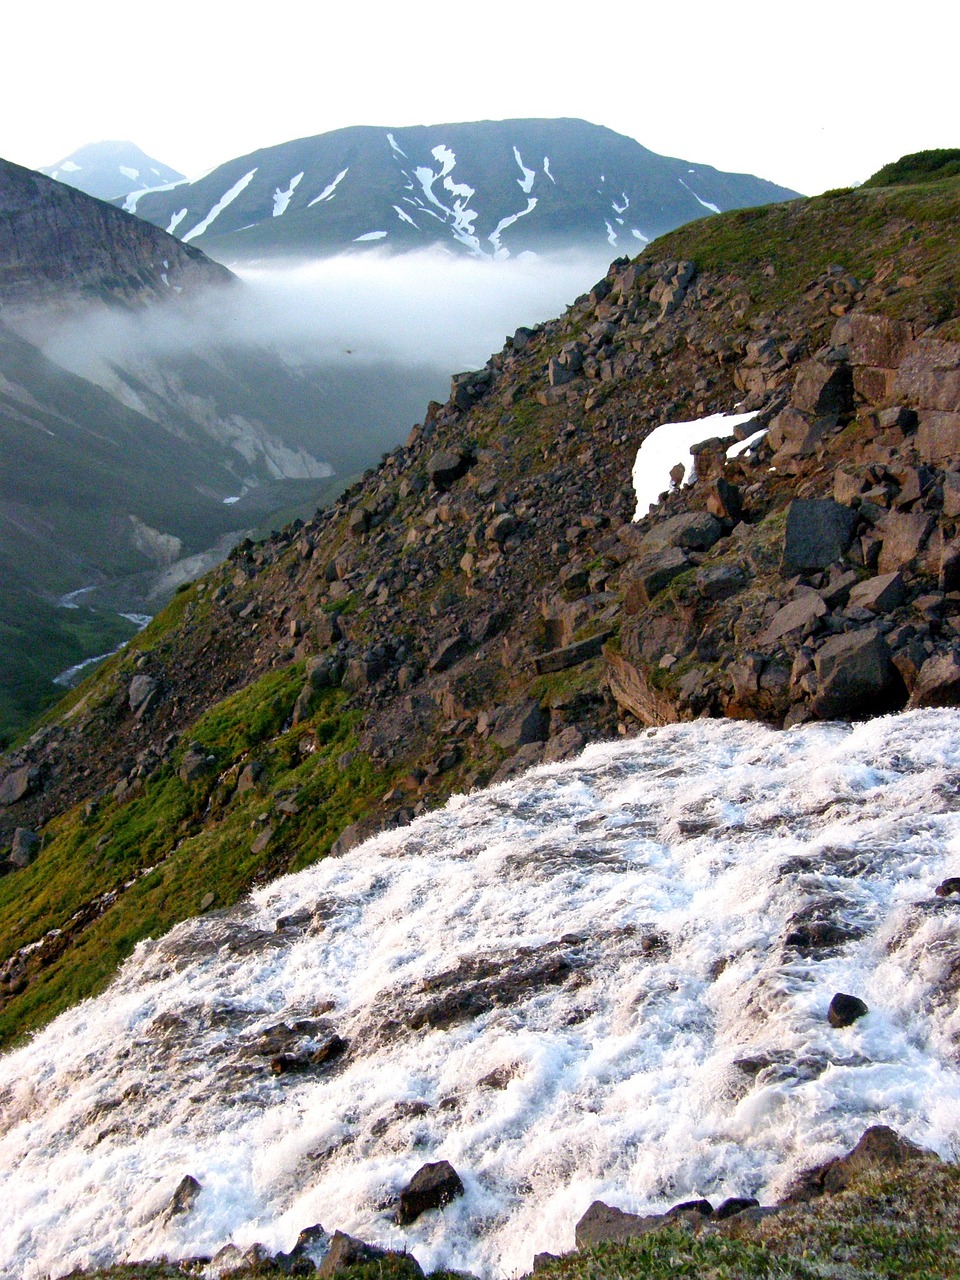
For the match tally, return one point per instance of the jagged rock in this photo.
(644, 581)
(347, 1251)
(823, 389)
(819, 531)
(635, 693)
(856, 677)
(359, 522)
(724, 500)
(449, 653)
(518, 725)
(431, 1187)
(903, 533)
(719, 581)
(26, 846)
(845, 1010)
(798, 615)
(564, 745)
(693, 531)
(141, 687)
(938, 682)
(327, 629)
(19, 783)
(195, 764)
(929, 375)
(447, 466)
(938, 436)
(879, 1149)
(571, 655)
(602, 1222)
(882, 594)
(184, 1198)
(876, 341)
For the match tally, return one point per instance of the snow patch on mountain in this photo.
(330, 188)
(130, 204)
(494, 237)
(706, 203)
(370, 235)
(546, 170)
(282, 198)
(404, 217)
(526, 182)
(175, 221)
(226, 199)
(669, 444)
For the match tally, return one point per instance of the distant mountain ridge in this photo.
(110, 170)
(488, 188)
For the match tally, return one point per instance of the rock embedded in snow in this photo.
(432, 1187)
(845, 1010)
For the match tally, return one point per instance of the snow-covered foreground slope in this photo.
(600, 980)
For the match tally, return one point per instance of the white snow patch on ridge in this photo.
(370, 235)
(282, 198)
(526, 182)
(130, 204)
(227, 198)
(494, 237)
(546, 170)
(706, 203)
(622, 1079)
(330, 188)
(669, 444)
(175, 221)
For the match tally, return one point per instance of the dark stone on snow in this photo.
(845, 1010)
(819, 531)
(431, 1187)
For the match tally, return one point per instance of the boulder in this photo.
(879, 1149)
(602, 1223)
(929, 375)
(346, 1252)
(798, 615)
(521, 724)
(571, 655)
(871, 340)
(734, 1205)
(845, 1010)
(880, 595)
(195, 764)
(819, 531)
(651, 576)
(431, 1187)
(938, 682)
(26, 846)
(904, 534)
(447, 466)
(692, 530)
(141, 687)
(19, 784)
(183, 1198)
(938, 435)
(823, 388)
(856, 677)
(449, 652)
(250, 776)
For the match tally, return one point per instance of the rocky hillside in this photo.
(59, 246)
(483, 599)
(490, 188)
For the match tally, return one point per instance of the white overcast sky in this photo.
(809, 94)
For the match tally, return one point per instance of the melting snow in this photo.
(651, 885)
(282, 198)
(611, 234)
(130, 204)
(227, 198)
(404, 217)
(526, 182)
(546, 169)
(621, 208)
(176, 220)
(370, 235)
(70, 166)
(393, 142)
(460, 218)
(706, 203)
(132, 174)
(669, 444)
(328, 190)
(640, 236)
(494, 237)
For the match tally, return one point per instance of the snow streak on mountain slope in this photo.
(463, 185)
(603, 979)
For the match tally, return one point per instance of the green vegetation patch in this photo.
(921, 166)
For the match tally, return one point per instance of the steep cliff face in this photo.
(483, 600)
(61, 246)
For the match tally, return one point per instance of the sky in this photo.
(812, 96)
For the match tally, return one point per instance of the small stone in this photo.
(845, 1010)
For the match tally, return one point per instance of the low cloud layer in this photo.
(425, 309)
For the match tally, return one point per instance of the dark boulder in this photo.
(845, 1010)
(447, 466)
(880, 1149)
(824, 388)
(602, 1222)
(518, 725)
(431, 1187)
(819, 531)
(856, 677)
(938, 682)
(346, 1252)
(26, 846)
(734, 1205)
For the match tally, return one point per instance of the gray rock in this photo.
(648, 579)
(903, 533)
(449, 653)
(880, 595)
(26, 846)
(250, 776)
(184, 1198)
(19, 784)
(141, 687)
(518, 725)
(823, 388)
(938, 682)
(856, 677)
(819, 531)
(693, 530)
(602, 1222)
(795, 616)
(447, 466)
(571, 655)
(195, 764)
